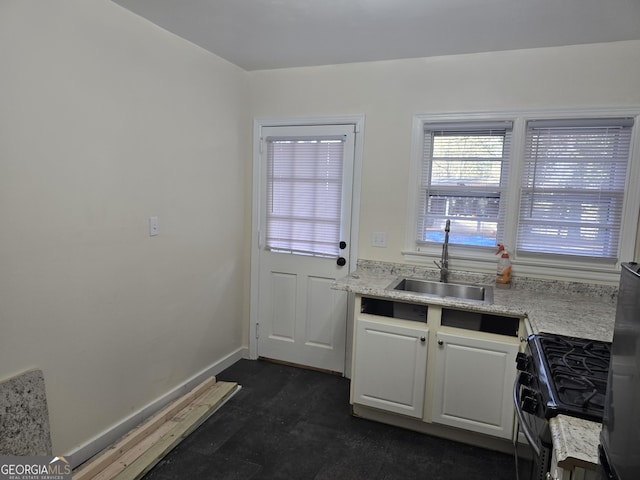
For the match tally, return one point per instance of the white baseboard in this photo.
(113, 433)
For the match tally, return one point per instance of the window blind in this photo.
(464, 173)
(304, 195)
(573, 187)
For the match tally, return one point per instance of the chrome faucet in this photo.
(444, 260)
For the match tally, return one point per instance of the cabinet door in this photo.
(390, 366)
(473, 384)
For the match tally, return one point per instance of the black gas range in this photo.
(558, 375)
(571, 375)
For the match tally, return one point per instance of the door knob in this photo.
(440, 342)
(341, 261)
(423, 339)
(342, 245)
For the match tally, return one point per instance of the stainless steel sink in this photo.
(478, 293)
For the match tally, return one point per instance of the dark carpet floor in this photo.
(290, 423)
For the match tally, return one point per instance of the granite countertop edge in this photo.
(575, 441)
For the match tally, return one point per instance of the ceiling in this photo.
(268, 34)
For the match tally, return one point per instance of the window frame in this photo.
(426, 188)
(548, 186)
(482, 259)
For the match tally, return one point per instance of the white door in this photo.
(304, 243)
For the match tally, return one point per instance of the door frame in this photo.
(258, 125)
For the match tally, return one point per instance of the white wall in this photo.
(390, 93)
(105, 120)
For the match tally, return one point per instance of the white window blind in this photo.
(304, 195)
(573, 187)
(464, 175)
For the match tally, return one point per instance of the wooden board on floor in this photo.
(138, 451)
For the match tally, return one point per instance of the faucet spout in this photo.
(444, 260)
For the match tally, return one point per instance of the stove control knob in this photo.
(522, 361)
(529, 402)
(525, 378)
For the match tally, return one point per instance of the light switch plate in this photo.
(379, 239)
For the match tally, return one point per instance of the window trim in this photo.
(482, 259)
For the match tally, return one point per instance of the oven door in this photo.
(605, 472)
(533, 453)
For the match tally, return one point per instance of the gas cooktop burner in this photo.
(580, 391)
(583, 357)
(573, 374)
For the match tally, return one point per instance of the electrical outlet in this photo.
(379, 239)
(153, 226)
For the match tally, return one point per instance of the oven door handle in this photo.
(526, 429)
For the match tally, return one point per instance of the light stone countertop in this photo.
(575, 442)
(565, 308)
(24, 415)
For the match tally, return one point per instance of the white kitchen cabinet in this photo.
(473, 380)
(466, 382)
(390, 365)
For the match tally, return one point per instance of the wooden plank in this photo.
(99, 462)
(133, 453)
(205, 405)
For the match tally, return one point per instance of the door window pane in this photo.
(304, 195)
